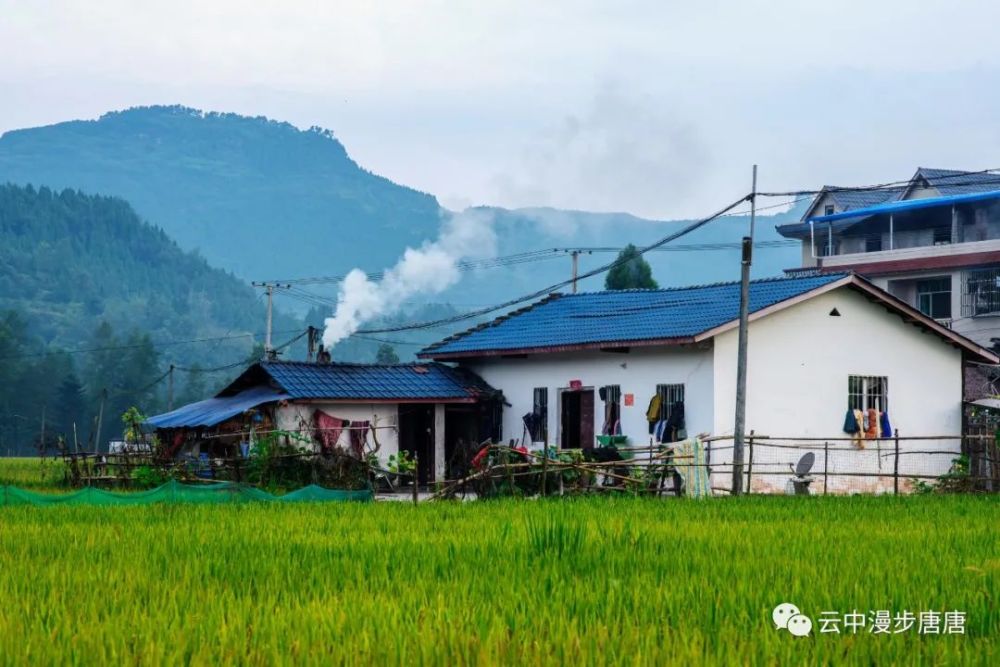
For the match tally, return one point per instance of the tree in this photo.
(139, 371)
(256, 354)
(386, 355)
(194, 389)
(631, 271)
(72, 404)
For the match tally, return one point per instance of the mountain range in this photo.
(266, 200)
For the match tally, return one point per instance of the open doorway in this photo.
(576, 414)
(416, 436)
(462, 438)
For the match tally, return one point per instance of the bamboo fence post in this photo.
(750, 463)
(545, 468)
(826, 464)
(895, 465)
(650, 468)
(416, 476)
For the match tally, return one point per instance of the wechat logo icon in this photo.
(787, 616)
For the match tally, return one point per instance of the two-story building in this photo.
(933, 243)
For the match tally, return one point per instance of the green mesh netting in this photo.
(175, 492)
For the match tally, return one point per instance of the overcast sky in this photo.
(657, 108)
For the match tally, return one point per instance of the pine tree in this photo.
(72, 403)
(386, 355)
(194, 389)
(631, 271)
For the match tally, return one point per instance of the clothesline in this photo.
(299, 430)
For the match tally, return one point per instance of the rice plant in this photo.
(589, 581)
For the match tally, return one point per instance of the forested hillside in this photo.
(68, 260)
(255, 196)
(92, 298)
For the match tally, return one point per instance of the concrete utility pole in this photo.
(741, 355)
(575, 254)
(269, 289)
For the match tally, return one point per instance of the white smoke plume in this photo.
(429, 269)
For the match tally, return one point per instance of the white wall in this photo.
(980, 329)
(298, 417)
(798, 364)
(637, 372)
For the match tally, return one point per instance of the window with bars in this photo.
(670, 395)
(934, 297)
(873, 243)
(540, 408)
(866, 392)
(981, 292)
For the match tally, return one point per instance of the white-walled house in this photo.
(933, 242)
(817, 345)
(430, 410)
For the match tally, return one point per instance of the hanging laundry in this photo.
(675, 422)
(661, 426)
(359, 436)
(858, 437)
(885, 425)
(850, 423)
(328, 430)
(871, 424)
(653, 412)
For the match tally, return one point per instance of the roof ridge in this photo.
(722, 283)
(358, 364)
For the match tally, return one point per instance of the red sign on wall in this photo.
(575, 384)
(629, 400)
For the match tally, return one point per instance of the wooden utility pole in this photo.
(269, 290)
(100, 421)
(311, 350)
(741, 355)
(41, 446)
(170, 388)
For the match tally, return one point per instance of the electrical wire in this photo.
(892, 184)
(133, 346)
(552, 288)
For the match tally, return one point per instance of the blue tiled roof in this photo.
(367, 381)
(622, 316)
(952, 182)
(852, 199)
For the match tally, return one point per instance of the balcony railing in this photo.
(919, 252)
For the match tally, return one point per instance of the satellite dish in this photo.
(805, 464)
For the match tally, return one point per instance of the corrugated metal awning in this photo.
(838, 222)
(907, 205)
(216, 410)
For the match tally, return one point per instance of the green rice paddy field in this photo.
(581, 582)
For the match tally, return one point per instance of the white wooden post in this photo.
(439, 458)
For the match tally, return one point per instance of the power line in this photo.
(133, 346)
(892, 184)
(552, 288)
